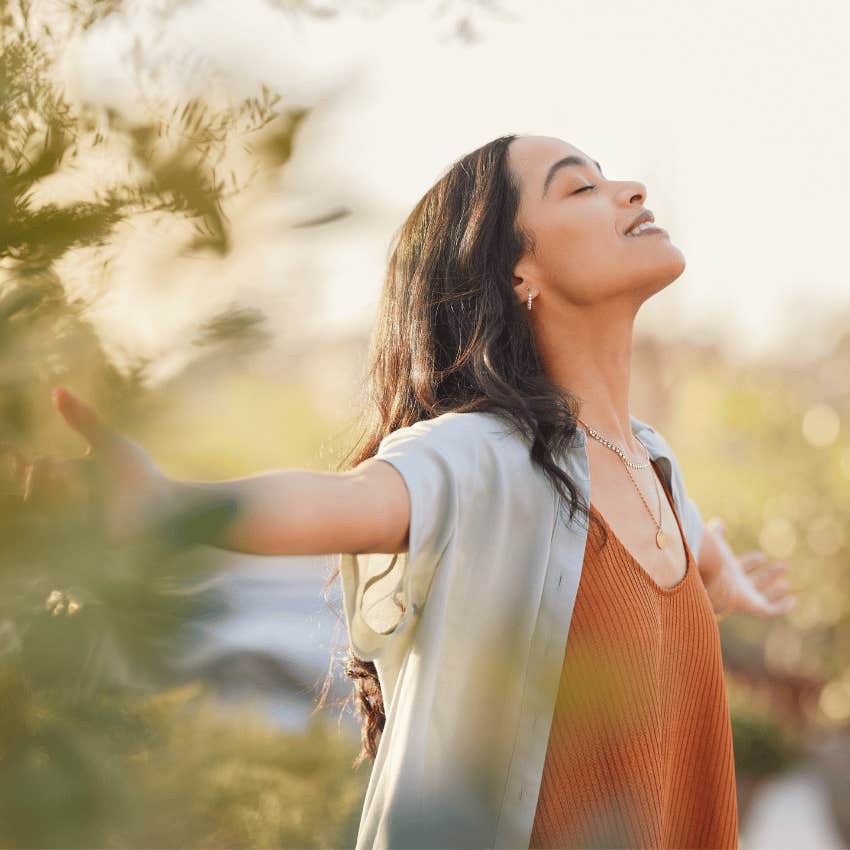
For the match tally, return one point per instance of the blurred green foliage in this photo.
(763, 746)
(96, 747)
(169, 770)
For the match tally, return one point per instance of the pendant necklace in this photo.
(659, 535)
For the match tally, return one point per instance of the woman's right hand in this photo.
(114, 474)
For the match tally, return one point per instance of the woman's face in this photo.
(578, 220)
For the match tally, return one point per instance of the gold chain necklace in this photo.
(659, 534)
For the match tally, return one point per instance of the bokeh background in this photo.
(196, 203)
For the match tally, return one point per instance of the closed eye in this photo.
(583, 188)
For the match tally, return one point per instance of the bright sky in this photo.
(735, 117)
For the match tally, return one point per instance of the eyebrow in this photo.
(563, 163)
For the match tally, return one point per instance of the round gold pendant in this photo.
(659, 539)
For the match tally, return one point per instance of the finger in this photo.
(782, 606)
(14, 468)
(767, 577)
(40, 480)
(778, 590)
(715, 523)
(51, 483)
(772, 571)
(81, 417)
(753, 561)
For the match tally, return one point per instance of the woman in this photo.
(499, 376)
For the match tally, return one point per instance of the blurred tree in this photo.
(85, 627)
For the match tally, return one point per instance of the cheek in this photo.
(581, 226)
(584, 248)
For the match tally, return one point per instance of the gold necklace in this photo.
(660, 537)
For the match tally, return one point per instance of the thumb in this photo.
(82, 418)
(717, 524)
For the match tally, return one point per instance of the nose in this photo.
(631, 191)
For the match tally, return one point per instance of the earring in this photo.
(529, 299)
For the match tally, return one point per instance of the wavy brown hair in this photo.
(451, 335)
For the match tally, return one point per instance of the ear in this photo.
(523, 284)
(522, 280)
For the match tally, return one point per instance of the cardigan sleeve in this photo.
(383, 594)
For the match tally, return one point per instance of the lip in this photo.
(646, 215)
(655, 230)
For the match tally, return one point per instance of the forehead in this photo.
(530, 157)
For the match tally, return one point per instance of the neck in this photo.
(592, 361)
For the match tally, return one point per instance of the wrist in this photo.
(196, 512)
(722, 601)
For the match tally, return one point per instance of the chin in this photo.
(672, 265)
(680, 265)
(659, 275)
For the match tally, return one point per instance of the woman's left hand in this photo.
(751, 583)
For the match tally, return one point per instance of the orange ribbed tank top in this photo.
(640, 749)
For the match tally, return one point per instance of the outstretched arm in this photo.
(746, 584)
(301, 512)
(282, 512)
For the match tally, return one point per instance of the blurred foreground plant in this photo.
(90, 754)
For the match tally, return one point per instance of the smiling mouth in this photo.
(648, 229)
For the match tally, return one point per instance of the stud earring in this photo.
(529, 299)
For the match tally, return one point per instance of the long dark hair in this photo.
(451, 335)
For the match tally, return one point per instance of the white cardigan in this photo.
(470, 672)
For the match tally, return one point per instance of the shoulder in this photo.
(479, 439)
(453, 428)
(652, 438)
